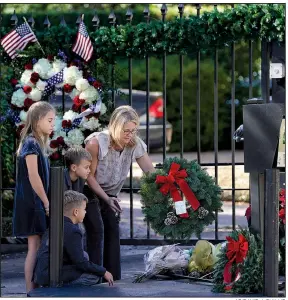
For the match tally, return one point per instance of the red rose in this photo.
(28, 102)
(29, 67)
(97, 84)
(27, 89)
(60, 140)
(51, 135)
(34, 77)
(75, 108)
(50, 57)
(14, 81)
(66, 124)
(54, 144)
(95, 115)
(67, 88)
(77, 101)
(83, 108)
(55, 156)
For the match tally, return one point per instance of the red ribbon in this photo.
(236, 252)
(177, 176)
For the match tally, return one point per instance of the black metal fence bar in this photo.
(147, 60)
(129, 16)
(233, 130)
(271, 232)
(198, 107)
(216, 127)
(265, 71)
(250, 69)
(181, 10)
(164, 65)
(112, 21)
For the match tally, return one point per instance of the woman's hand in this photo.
(113, 202)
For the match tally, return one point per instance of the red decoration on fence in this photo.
(169, 182)
(236, 252)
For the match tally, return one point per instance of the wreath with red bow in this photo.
(180, 199)
(239, 269)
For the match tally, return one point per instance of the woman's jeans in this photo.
(103, 239)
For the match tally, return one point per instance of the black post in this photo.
(265, 71)
(96, 22)
(14, 20)
(271, 232)
(56, 224)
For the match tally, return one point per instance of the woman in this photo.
(112, 153)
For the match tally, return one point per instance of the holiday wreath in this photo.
(239, 269)
(53, 75)
(171, 214)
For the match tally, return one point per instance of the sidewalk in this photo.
(13, 284)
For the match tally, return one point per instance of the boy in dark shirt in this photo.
(76, 268)
(77, 161)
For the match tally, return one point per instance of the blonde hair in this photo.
(119, 117)
(73, 199)
(36, 112)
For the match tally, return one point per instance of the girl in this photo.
(112, 153)
(31, 205)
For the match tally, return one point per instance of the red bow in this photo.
(236, 251)
(177, 176)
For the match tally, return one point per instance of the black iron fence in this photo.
(216, 164)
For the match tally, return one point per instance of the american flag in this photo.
(51, 82)
(18, 39)
(83, 46)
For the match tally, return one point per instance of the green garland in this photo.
(251, 279)
(181, 36)
(157, 208)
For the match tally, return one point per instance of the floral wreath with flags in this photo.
(180, 199)
(239, 269)
(58, 74)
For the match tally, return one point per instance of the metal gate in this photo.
(216, 164)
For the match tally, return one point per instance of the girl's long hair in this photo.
(119, 117)
(36, 112)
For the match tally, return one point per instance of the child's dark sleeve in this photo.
(30, 147)
(74, 249)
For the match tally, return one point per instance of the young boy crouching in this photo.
(76, 268)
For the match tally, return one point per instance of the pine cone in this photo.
(167, 222)
(202, 212)
(170, 214)
(173, 220)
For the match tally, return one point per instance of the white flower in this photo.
(59, 85)
(18, 98)
(74, 93)
(82, 84)
(63, 151)
(90, 95)
(41, 85)
(23, 116)
(58, 123)
(58, 65)
(71, 75)
(91, 124)
(35, 95)
(103, 109)
(25, 78)
(51, 73)
(75, 137)
(70, 115)
(42, 67)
